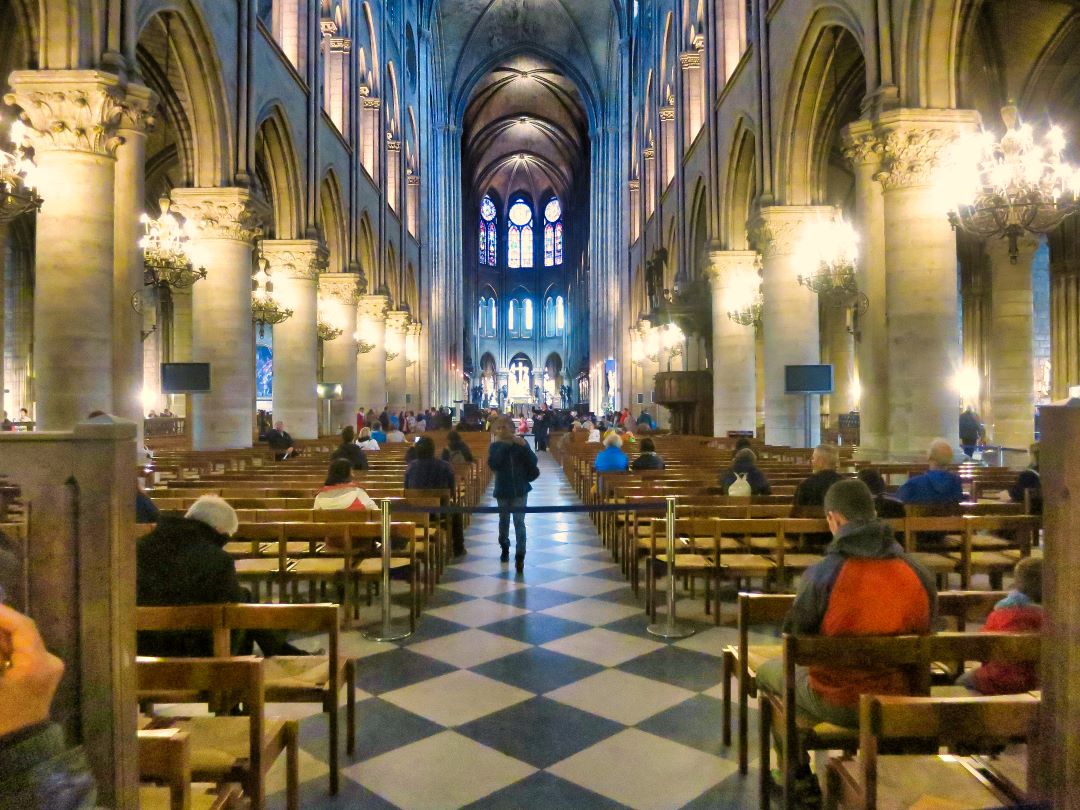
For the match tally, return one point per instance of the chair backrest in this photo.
(967, 606)
(1005, 647)
(185, 617)
(165, 757)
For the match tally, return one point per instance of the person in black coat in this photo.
(512, 461)
(887, 508)
(349, 450)
(427, 472)
(810, 494)
(647, 460)
(744, 462)
(541, 426)
(456, 451)
(280, 442)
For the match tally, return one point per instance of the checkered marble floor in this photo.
(533, 691)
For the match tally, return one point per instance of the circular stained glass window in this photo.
(487, 209)
(553, 211)
(520, 214)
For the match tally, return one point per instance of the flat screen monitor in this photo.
(185, 378)
(808, 379)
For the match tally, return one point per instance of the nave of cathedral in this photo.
(722, 257)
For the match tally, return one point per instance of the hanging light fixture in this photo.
(1014, 186)
(328, 332)
(831, 248)
(17, 193)
(164, 245)
(264, 307)
(744, 296)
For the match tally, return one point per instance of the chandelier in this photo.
(831, 247)
(328, 332)
(744, 297)
(165, 256)
(17, 193)
(1014, 185)
(264, 307)
(362, 346)
(667, 339)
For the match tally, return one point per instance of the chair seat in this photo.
(934, 563)
(319, 566)
(746, 562)
(990, 542)
(1014, 553)
(296, 672)
(769, 543)
(989, 561)
(370, 566)
(221, 744)
(689, 562)
(238, 548)
(704, 544)
(257, 567)
(294, 548)
(906, 781)
(758, 654)
(953, 690)
(800, 562)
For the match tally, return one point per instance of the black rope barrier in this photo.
(652, 506)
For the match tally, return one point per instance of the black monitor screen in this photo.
(185, 378)
(808, 379)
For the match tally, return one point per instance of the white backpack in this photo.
(740, 487)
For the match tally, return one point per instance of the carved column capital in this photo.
(415, 328)
(690, 60)
(667, 113)
(221, 213)
(295, 258)
(70, 110)
(373, 307)
(398, 321)
(635, 185)
(649, 153)
(139, 108)
(343, 287)
(915, 142)
(862, 143)
(726, 266)
(778, 228)
(369, 102)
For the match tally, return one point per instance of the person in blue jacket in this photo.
(611, 458)
(938, 485)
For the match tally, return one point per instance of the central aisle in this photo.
(535, 691)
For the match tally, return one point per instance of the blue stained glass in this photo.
(527, 246)
(559, 243)
(491, 244)
(549, 245)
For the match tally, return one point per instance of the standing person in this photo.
(540, 429)
(281, 442)
(970, 431)
(359, 420)
(514, 465)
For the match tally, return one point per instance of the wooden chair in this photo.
(228, 748)
(259, 552)
(987, 541)
(308, 678)
(165, 776)
(697, 551)
(970, 723)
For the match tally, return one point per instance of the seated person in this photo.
(842, 596)
(378, 434)
(1019, 612)
(367, 441)
(394, 435)
(887, 508)
(938, 486)
(456, 451)
(744, 463)
(1029, 480)
(426, 471)
(183, 562)
(280, 442)
(611, 458)
(648, 460)
(743, 443)
(810, 494)
(339, 491)
(594, 433)
(349, 450)
(645, 421)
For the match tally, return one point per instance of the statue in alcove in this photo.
(654, 277)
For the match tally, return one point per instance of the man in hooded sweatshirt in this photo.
(938, 485)
(865, 586)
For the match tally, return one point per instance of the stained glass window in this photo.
(549, 317)
(493, 320)
(560, 316)
(553, 233)
(520, 235)
(527, 324)
(488, 240)
(511, 320)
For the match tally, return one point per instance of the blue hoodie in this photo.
(611, 459)
(932, 487)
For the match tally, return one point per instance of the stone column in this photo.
(789, 321)
(1065, 307)
(371, 352)
(734, 280)
(837, 349)
(397, 324)
(226, 223)
(130, 192)
(74, 118)
(412, 363)
(872, 345)
(181, 341)
(11, 407)
(921, 288)
(1012, 375)
(294, 270)
(338, 295)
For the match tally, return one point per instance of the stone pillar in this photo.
(837, 349)
(12, 409)
(789, 321)
(129, 193)
(1012, 375)
(74, 118)
(294, 270)
(371, 352)
(370, 132)
(338, 295)
(1065, 307)
(921, 280)
(180, 349)
(397, 324)
(226, 223)
(734, 279)
(872, 344)
(412, 363)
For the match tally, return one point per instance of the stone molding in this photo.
(690, 60)
(723, 264)
(370, 102)
(415, 328)
(340, 45)
(392, 144)
(862, 145)
(412, 179)
(649, 153)
(342, 287)
(302, 259)
(635, 185)
(667, 113)
(140, 106)
(778, 228)
(328, 28)
(398, 320)
(70, 110)
(373, 307)
(221, 213)
(913, 143)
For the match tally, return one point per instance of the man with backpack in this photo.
(514, 465)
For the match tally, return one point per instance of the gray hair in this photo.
(852, 499)
(829, 453)
(940, 453)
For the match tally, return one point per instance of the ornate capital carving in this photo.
(649, 153)
(328, 27)
(635, 185)
(70, 110)
(398, 321)
(340, 45)
(913, 143)
(413, 179)
(373, 307)
(392, 145)
(295, 258)
(862, 145)
(343, 287)
(370, 102)
(778, 228)
(690, 60)
(139, 107)
(415, 328)
(221, 213)
(727, 265)
(667, 113)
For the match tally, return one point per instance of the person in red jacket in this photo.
(1019, 612)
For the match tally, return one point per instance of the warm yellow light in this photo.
(967, 383)
(856, 391)
(149, 400)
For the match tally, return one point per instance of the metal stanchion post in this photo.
(387, 632)
(670, 628)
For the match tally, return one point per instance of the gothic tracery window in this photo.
(553, 233)
(519, 237)
(488, 239)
